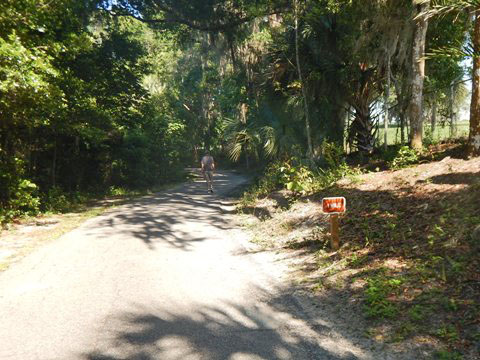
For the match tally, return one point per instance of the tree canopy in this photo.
(97, 94)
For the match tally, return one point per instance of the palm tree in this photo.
(242, 139)
(362, 131)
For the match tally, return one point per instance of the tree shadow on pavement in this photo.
(173, 218)
(229, 331)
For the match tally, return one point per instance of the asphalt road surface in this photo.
(165, 277)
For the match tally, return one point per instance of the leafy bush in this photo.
(405, 157)
(289, 174)
(270, 181)
(298, 179)
(334, 154)
(25, 199)
(23, 202)
(329, 177)
(335, 167)
(117, 191)
(428, 137)
(56, 200)
(18, 196)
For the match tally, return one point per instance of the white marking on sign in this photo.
(334, 205)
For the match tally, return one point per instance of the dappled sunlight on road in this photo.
(175, 218)
(260, 330)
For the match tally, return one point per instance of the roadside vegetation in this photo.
(29, 202)
(58, 215)
(408, 263)
(101, 95)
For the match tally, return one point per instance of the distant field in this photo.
(441, 133)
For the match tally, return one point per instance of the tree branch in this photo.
(178, 19)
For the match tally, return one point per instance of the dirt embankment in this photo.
(408, 272)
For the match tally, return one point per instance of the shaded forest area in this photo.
(98, 95)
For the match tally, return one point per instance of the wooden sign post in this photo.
(335, 232)
(334, 206)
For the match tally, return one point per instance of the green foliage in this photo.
(18, 195)
(117, 191)
(448, 332)
(419, 312)
(243, 139)
(357, 261)
(328, 177)
(297, 178)
(56, 200)
(77, 114)
(336, 168)
(406, 156)
(428, 137)
(447, 355)
(334, 154)
(24, 201)
(378, 289)
(90, 100)
(291, 175)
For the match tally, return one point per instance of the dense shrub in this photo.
(334, 154)
(296, 176)
(18, 195)
(406, 156)
(24, 201)
(56, 200)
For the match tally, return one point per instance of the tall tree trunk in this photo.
(401, 91)
(453, 117)
(387, 96)
(418, 75)
(304, 92)
(474, 135)
(434, 117)
(346, 125)
(231, 47)
(402, 129)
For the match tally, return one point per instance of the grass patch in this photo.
(378, 293)
(441, 133)
(357, 261)
(448, 332)
(447, 355)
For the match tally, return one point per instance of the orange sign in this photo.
(334, 205)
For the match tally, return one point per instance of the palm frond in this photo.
(235, 151)
(444, 7)
(270, 140)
